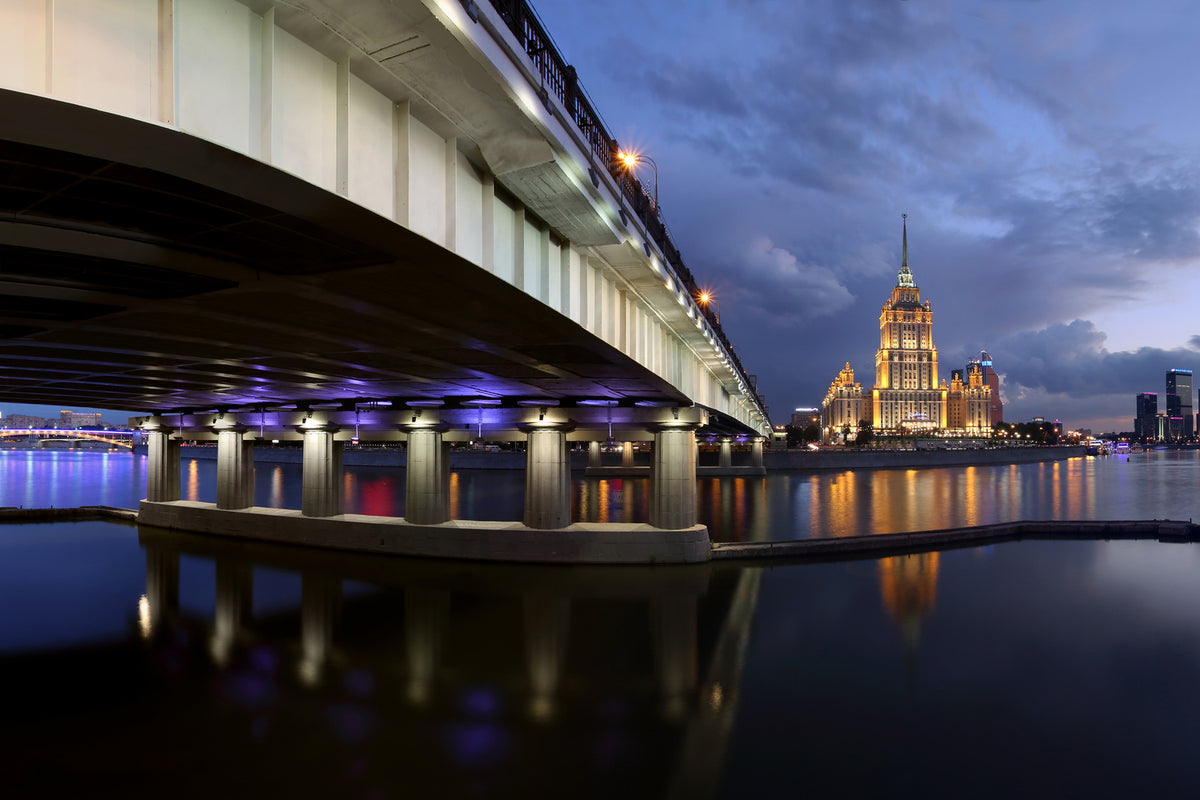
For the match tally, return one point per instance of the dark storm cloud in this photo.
(1071, 359)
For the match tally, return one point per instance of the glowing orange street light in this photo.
(631, 160)
(705, 298)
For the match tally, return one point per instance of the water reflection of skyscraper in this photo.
(909, 587)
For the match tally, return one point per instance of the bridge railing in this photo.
(560, 79)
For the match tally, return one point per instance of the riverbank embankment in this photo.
(842, 459)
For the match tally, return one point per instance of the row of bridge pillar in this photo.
(547, 475)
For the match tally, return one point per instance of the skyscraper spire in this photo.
(905, 278)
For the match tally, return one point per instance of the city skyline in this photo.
(1050, 174)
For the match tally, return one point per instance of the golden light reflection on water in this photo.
(276, 499)
(145, 622)
(908, 585)
(192, 492)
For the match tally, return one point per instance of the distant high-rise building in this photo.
(803, 417)
(1144, 426)
(992, 381)
(1179, 403)
(75, 419)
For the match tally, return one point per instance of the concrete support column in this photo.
(322, 494)
(162, 466)
(547, 477)
(594, 455)
(673, 478)
(626, 454)
(427, 478)
(756, 452)
(235, 470)
(726, 452)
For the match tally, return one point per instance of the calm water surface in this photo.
(149, 663)
(1159, 484)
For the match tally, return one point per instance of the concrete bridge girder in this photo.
(479, 165)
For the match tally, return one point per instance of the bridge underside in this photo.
(144, 269)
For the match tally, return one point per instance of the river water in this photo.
(164, 664)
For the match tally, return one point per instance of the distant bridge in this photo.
(122, 439)
(282, 218)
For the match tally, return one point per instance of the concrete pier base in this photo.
(580, 543)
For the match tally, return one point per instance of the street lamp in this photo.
(705, 298)
(631, 160)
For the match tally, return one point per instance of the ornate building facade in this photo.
(844, 404)
(969, 404)
(908, 396)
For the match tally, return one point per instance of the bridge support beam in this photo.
(427, 479)
(594, 455)
(235, 469)
(756, 452)
(162, 467)
(673, 478)
(726, 452)
(547, 477)
(321, 492)
(627, 454)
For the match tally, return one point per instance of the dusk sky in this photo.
(1047, 154)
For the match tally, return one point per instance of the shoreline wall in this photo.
(813, 460)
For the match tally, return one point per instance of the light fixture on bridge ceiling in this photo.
(544, 96)
(471, 9)
(595, 176)
(624, 216)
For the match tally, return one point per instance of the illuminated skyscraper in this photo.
(906, 393)
(1179, 403)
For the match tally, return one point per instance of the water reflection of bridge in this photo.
(625, 680)
(74, 439)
